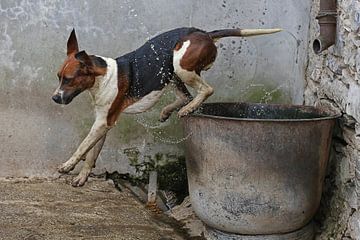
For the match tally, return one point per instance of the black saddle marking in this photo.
(150, 67)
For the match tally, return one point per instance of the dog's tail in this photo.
(215, 35)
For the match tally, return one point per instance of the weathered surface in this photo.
(186, 215)
(305, 233)
(257, 168)
(333, 80)
(36, 210)
(36, 134)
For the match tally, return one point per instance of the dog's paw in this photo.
(65, 168)
(79, 180)
(185, 111)
(164, 115)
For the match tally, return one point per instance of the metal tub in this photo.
(257, 168)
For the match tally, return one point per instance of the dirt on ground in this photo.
(53, 209)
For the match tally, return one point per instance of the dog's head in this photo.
(76, 74)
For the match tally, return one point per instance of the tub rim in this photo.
(332, 116)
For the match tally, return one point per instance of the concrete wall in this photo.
(36, 134)
(333, 80)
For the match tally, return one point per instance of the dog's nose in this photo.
(56, 98)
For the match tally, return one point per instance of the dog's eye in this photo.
(66, 80)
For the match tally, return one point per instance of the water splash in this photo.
(154, 129)
(157, 131)
(268, 95)
(250, 86)
(142, 121)
(171, 140)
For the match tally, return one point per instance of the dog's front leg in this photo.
(89, 164)
(98, 130)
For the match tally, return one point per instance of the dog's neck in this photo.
(105, 87)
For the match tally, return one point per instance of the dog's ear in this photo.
(84, 58)
(72, 44)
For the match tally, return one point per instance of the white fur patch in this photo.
(185, 75)
(179, 54)
(105, 89)
(60, 92)
(103, 92)
(192, 79)
(144, 103)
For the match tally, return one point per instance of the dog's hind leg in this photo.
(203, 89)
(196, 52)
(182, 97)
(89, 163)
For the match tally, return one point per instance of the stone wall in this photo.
(333, 80)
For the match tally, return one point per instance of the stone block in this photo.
(353, 101)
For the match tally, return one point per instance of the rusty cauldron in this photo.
(257, 169)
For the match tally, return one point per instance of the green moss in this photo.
(132, 154)
(171, 133)
(266, 94)
(171, 171)
(165, 99)
(173, 177)
(128, 129)
(132, 127)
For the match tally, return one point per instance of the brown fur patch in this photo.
(69, 67)
(72, 44)
(99, 71)
(121, 101)
(83, 77)
(178, 46)
(201, 52)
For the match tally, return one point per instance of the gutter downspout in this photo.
(327, 21)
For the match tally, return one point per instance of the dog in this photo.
(134, 82)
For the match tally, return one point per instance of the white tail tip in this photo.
(255, 32)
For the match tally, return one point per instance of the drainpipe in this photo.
(327, 21)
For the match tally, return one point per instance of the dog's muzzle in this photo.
(62, 97)
(57, 98)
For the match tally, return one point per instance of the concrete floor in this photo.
(39, 209)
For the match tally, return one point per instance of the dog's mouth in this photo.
(61, 100)
(65, 99)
